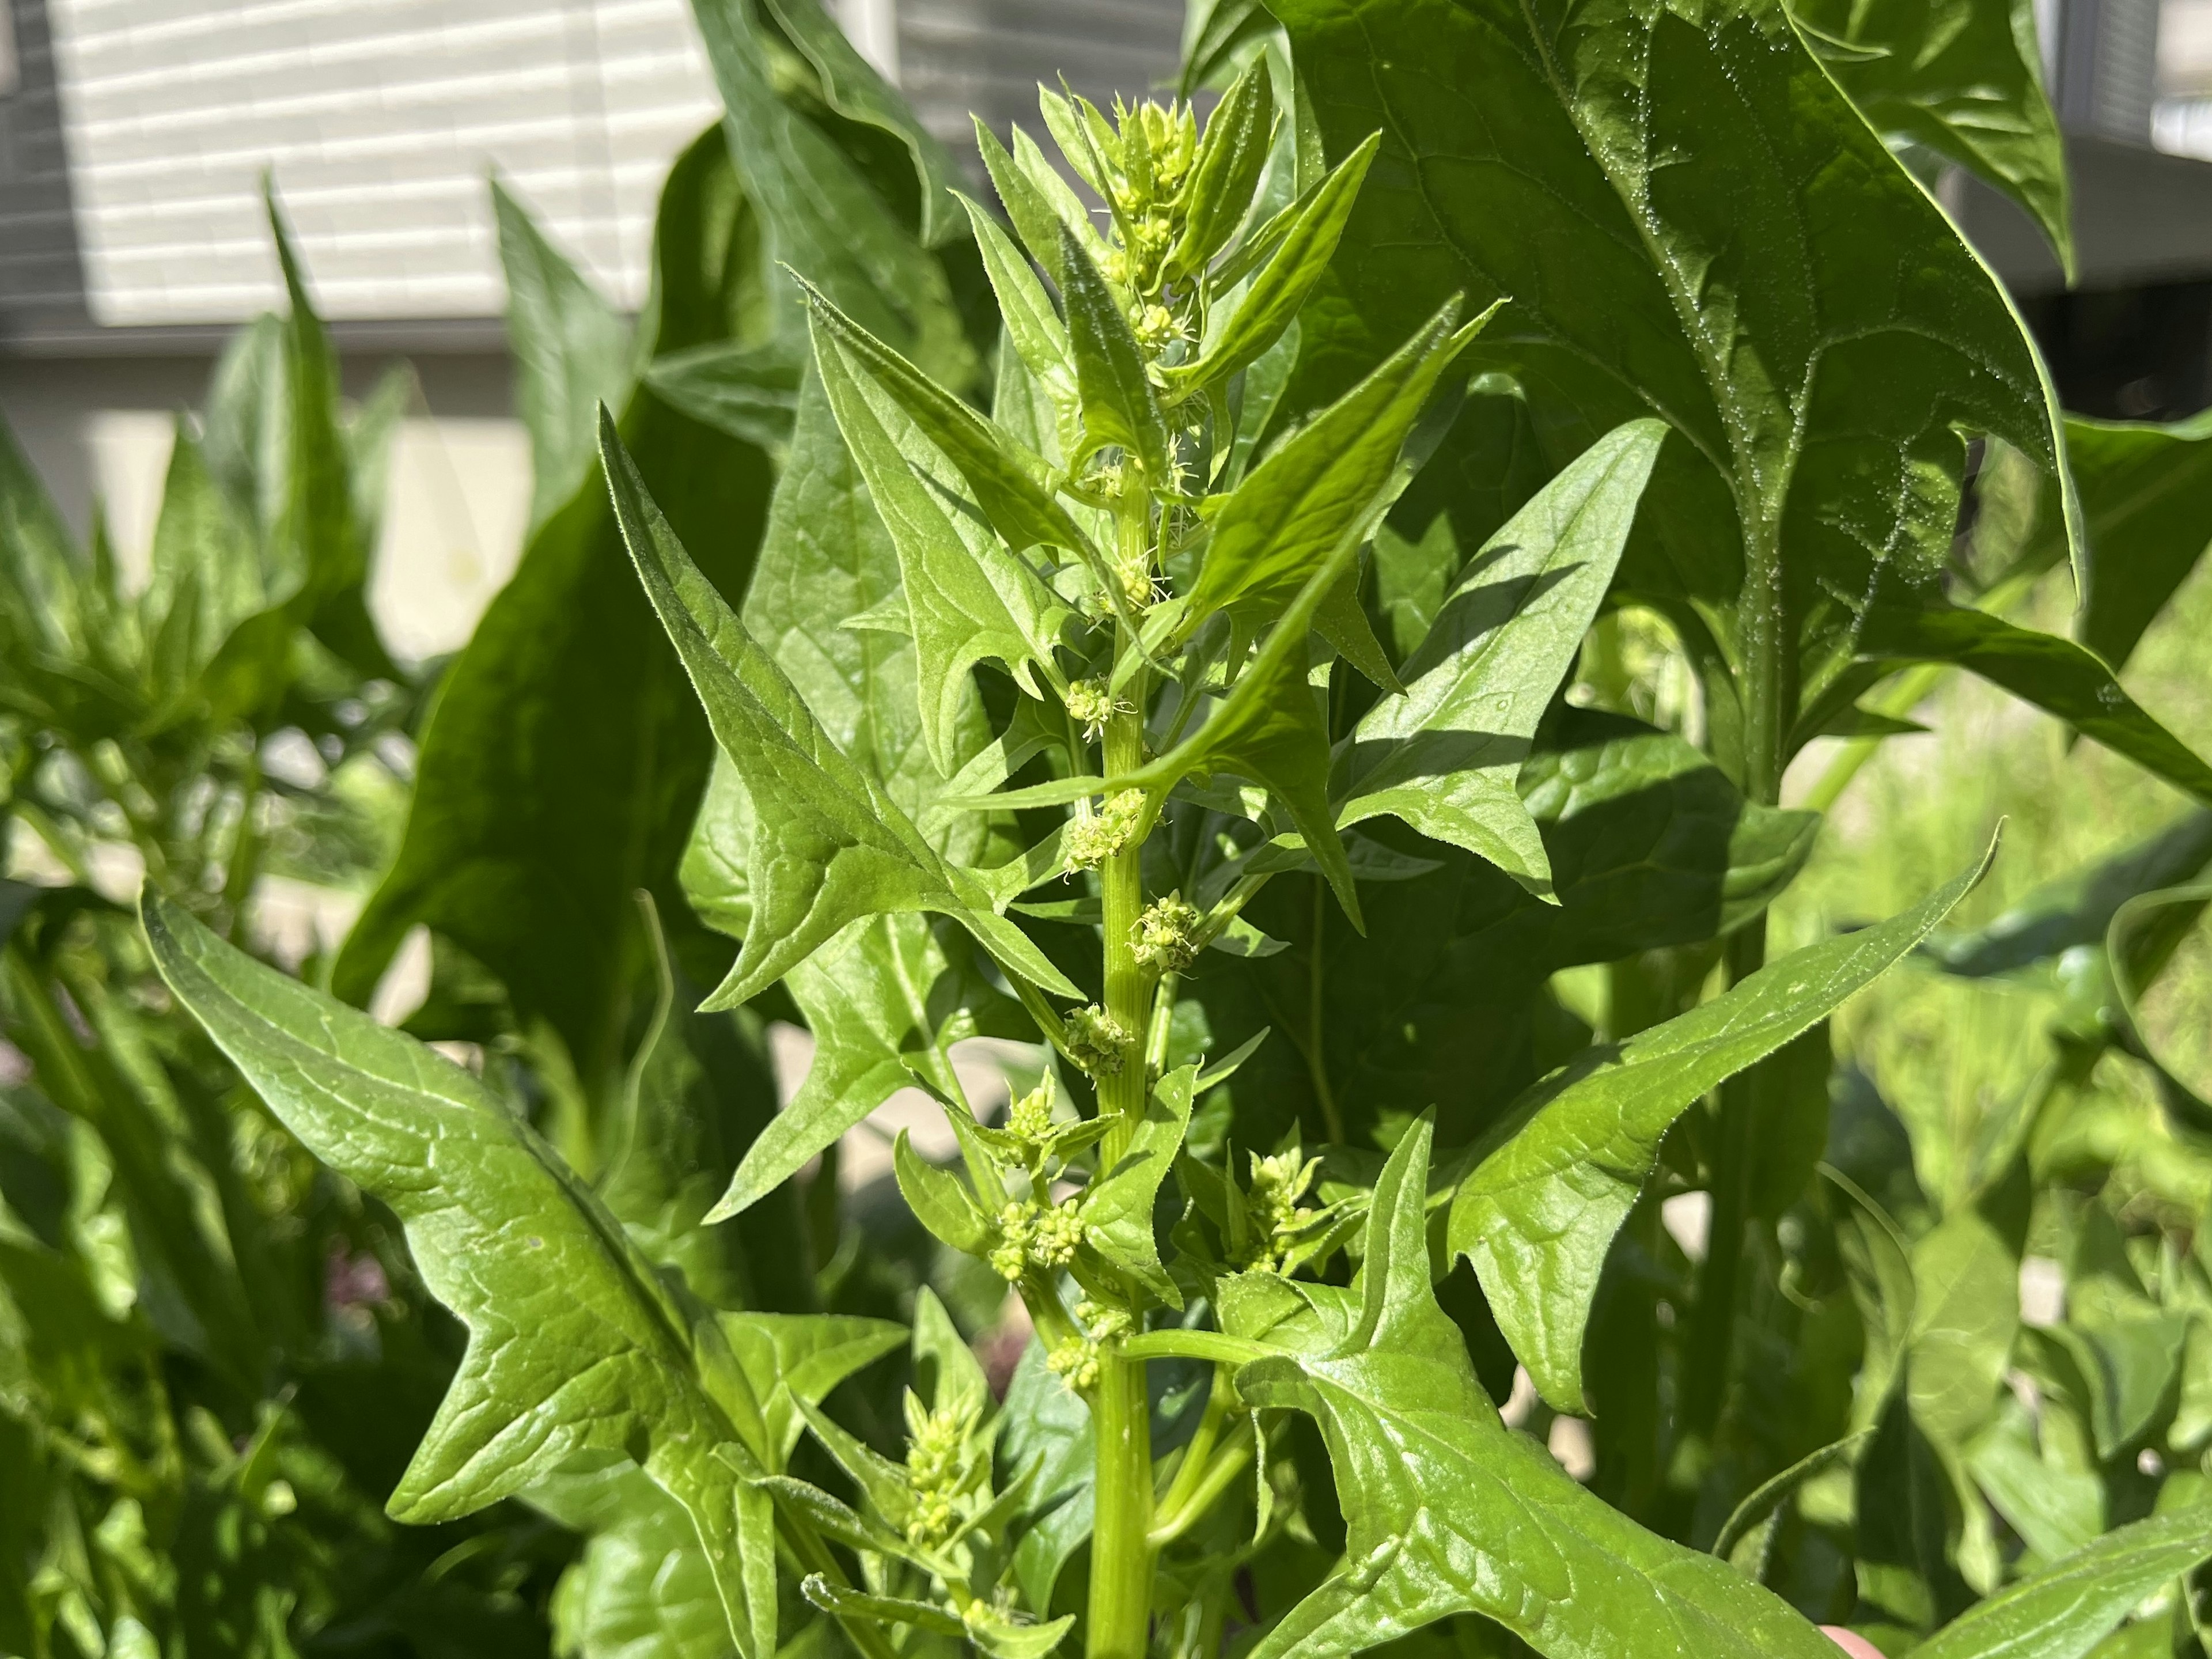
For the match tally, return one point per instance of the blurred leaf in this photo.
(2063, 1612)
(1966, 1310)
(564, 757)
(641, 1590)
(1963, 78)
(572, 353)
(746, 391)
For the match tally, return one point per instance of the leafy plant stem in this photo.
(1122, 1556)
(814, 1556)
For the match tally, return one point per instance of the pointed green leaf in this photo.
(1539, 1213)
(1269, 728)
(1231, 154)
(2065, 1610)
(1027, 310)
(572, 353)
(1447, 1511)
(1033, 213)
(1279, 289)
(573, 1347)
(938, 1200)
(2054, 674)
(1446, 757)
(1006, 481)
(1963, 78)
(642, 1586)
(857, 995)
(829, 845)
(968, 599)
(792, 1361)
(1288, 515)
(1118, 404)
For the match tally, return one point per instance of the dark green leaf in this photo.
(746, 391)
(1539, 1213)
(572, 353)
(1599, 171)
(1963, 78)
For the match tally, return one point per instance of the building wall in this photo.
(131, 237)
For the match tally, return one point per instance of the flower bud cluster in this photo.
(1167, 934)
(1091, 841)
(1091, 705)
(1278, 1181)
(1034, 1235)
(1149, 154)
(938, 1472)
(1075, 1362)
(1096, 1041)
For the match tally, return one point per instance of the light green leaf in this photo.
(1539, 1213)
(1275, 295)
(1446, 757)
(572, 353)
(792, 1361)
(967, 599)
(2054, 674)
(2066, 1609)
(640, 1589)
(938, 1200)
(1006, 481)
(573, 1345)
(881, 1609)
(1269, 728)
(1232, 152)
(1750, 1525)
(1963, 78)
(829, 845)
(858, 993)
(1271, 531)
(1966, 1314)
(1447, 1511)
(1032, 325)
(1117, 1209)
(1118, 404)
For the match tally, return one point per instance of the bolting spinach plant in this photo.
(1197, 720)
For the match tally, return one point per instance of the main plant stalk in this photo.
(1120, 1556)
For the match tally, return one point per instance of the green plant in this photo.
(1331, 715)
(213, 1356)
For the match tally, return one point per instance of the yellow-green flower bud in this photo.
(1091, 705)
(1095, 1040)
(1166, 934)
(1053, 1239)
(1089, 841)
(1009, 1255)
(1029, 1118)
(1075, 1362)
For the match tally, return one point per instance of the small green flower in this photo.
(1095, 1040)
(1091, 841)
(1091, 705)
(1075, 1362)
(1166, 934)
(1010, 1256)
(1030, 1119)
(1053, 1239)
